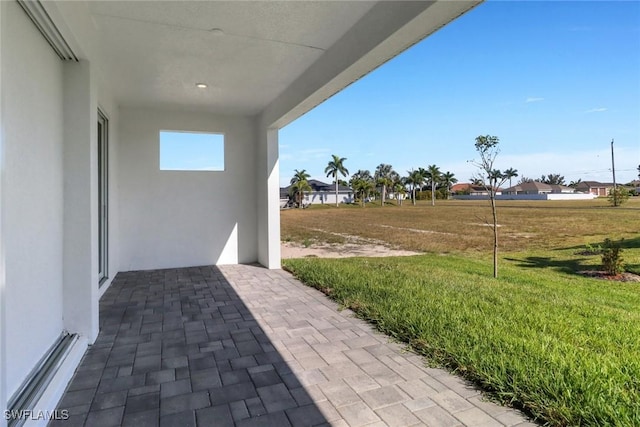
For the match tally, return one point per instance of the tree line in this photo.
(384, 181)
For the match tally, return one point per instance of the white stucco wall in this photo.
(328, 198)
(185, 218)
(268, 191)
(32, 192)
(547, 196)
(570, 196)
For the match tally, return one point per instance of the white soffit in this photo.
(154, 53)
(274, 58)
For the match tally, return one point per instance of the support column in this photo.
(268, 198)
(80, 253)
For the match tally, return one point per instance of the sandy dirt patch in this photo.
(296, 250)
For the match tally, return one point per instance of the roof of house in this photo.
(558, 187)
(537, 186)
(321, 186)
(318, 186)
(594, 184)
(460, 187)
(472, 188)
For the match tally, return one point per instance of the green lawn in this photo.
(563, 347)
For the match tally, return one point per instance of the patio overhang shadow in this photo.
(180, 347)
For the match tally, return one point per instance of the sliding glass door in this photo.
(103, 198)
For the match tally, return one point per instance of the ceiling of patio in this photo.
(154, 53)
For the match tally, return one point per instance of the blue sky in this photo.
(194, 151)
(555, 81)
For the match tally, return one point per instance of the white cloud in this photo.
(533, 99)
(596, 110)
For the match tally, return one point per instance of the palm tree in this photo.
(362, 183)
(423, 173)
(495, 176)
(415, 179)
(433, 176)
(509, 174)
(334, 168)
(362, 174)
(298, 189)
(574, 184)
(552, 179)
(524, 180)
(382, 177)
(448, 179)
(299, 185)
(362, 187)
(394, 181)
(400, 189)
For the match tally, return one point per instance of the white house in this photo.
(535, 190)
(535, 187)
(600, 189)
(88, 89)
(322, 193)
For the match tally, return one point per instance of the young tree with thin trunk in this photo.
(335, 167)
(488, 148)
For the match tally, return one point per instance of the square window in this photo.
(191, 151)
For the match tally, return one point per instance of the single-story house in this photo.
(472, 190)
(92, 96)
(600, 189)
(321, 193)
(535, 187)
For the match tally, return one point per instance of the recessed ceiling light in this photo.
(216, 32)
(201, 85)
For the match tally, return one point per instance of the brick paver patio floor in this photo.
(242, 345)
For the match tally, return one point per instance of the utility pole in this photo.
(613, 170)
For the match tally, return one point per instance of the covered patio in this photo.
(243, 345)
(88, 90)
